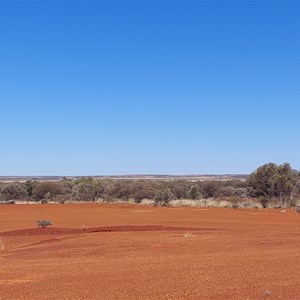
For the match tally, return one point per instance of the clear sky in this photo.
(164, 87)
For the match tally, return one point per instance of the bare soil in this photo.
(132, 252)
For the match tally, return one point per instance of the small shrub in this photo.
(235, 206)
(44, 201)
(226, 191)
(147, 202)
(235, 201)
(224, 204)
(257, 205)
(264, 201)
(211, 203)
(43, 223)
(248, 204)
(61, 199)
(163, 197)
(47, 195)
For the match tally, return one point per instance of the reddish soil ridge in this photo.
(66, 231)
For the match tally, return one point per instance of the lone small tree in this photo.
(87, 189)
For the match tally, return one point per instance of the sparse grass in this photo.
(2, 243)
(235, 206)
(267, 294)
(7, 202)
(224, 204)
(147, 202)
(192, 203)
(188, 235)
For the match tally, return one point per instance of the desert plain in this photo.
(102, 251)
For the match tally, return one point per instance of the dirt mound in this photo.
(41, 231)
(67, 231)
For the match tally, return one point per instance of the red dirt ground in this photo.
(133, 252)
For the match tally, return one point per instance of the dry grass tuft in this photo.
(267, 293)
(147, 202)
(188, 235)
(2, 243)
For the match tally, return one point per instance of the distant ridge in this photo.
(193, 177)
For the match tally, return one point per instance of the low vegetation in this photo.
(43, 223)
(270, 185)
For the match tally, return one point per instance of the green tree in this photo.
(87, 189)
(50, 189)
(209, 188)
(13, 191)
(193, 192)
(274, 181)
(30, 186)
(163, 197)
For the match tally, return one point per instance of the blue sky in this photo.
(164, 87)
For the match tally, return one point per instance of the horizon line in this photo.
(131, 175)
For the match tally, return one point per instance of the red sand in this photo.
(133, 252)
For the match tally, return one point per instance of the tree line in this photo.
(268, 183)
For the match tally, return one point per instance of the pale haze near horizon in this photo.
(148, 87)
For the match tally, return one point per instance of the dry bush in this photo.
(224, 204)
(211, 203)
(182, 202)
(100, 200)
(43, 223)
(295, 202)
(226, 191)
(13, 191)
(47, 190)
(248, 204)
(188, 203)
(61, 198)
(7, 202)
(147, 202)
(257, 205)
(26, 202)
